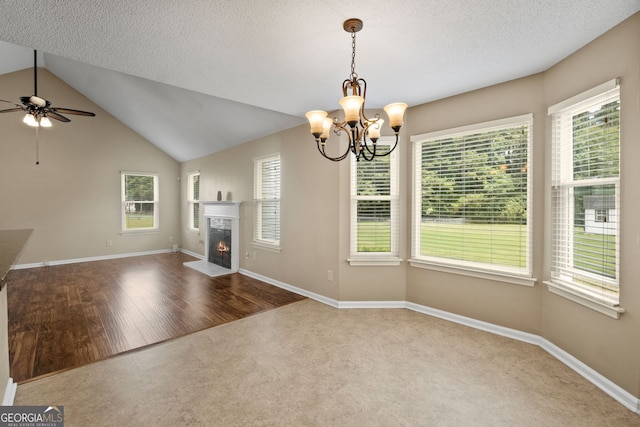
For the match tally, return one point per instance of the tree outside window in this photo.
(139, 201)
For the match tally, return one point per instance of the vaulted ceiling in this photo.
(198, 76)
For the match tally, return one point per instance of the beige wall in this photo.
(611, 347)
(72, 199)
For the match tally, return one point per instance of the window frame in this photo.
(391, 257)
(193, 201)
(259, 227)
(601, 215)
(124, 203)
(516, 275)
(562, 274)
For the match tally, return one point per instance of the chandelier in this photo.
(363, 133)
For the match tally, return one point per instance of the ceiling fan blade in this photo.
(11, 102)
(9, 110)
(70, 111)
(57, 116)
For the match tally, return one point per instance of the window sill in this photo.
(137, 232)
(481, 274)
(266, 246)
(374, 261)
(607, 308)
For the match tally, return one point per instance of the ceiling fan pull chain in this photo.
(37, 146)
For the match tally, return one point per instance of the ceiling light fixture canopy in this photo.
(363, 132)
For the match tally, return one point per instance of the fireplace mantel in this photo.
(222, 208)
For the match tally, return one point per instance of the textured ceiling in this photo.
(197, 76)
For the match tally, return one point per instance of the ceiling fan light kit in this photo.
(363, 133)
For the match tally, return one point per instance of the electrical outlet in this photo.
(246, 255)
(109, 243)
(330, 275)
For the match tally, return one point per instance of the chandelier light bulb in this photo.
(326, 128)
(316, 121)
(374, 129)
(351, 106)
(396, 114)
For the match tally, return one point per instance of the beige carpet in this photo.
(307, 364)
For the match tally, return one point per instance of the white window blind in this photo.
(139, 201)
(472, 197)
(374, 205)
(193, 190)
(585, 193)
(267, 200)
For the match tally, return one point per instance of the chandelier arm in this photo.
(338, 127)
(395, 144)
(366, 149)
(366, 144)
(339, 158)
(362, 91)
(354, 141)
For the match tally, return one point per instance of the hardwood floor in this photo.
(61, 317)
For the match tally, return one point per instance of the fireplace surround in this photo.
(221, 239)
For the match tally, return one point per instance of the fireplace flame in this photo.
(222, 247)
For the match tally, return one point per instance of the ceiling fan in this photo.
(39, 110)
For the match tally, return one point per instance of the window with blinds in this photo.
(472, 199)
(267, 200)
(193, 190)
(585, 193)
(139, 197)
(374, 205)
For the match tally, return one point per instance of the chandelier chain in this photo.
(354, 75)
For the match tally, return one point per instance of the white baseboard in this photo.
(476, 324)
(618, 393)
(9, 393)
(372, 304)
(193, 254)
(320, 298)
(87, 259)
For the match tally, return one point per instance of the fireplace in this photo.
(221, 239)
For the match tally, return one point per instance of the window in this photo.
(471, 199)
(193, 190)
(267, 201)
(585, 195)
(139, 201)
(374, 208)
(601, 215)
